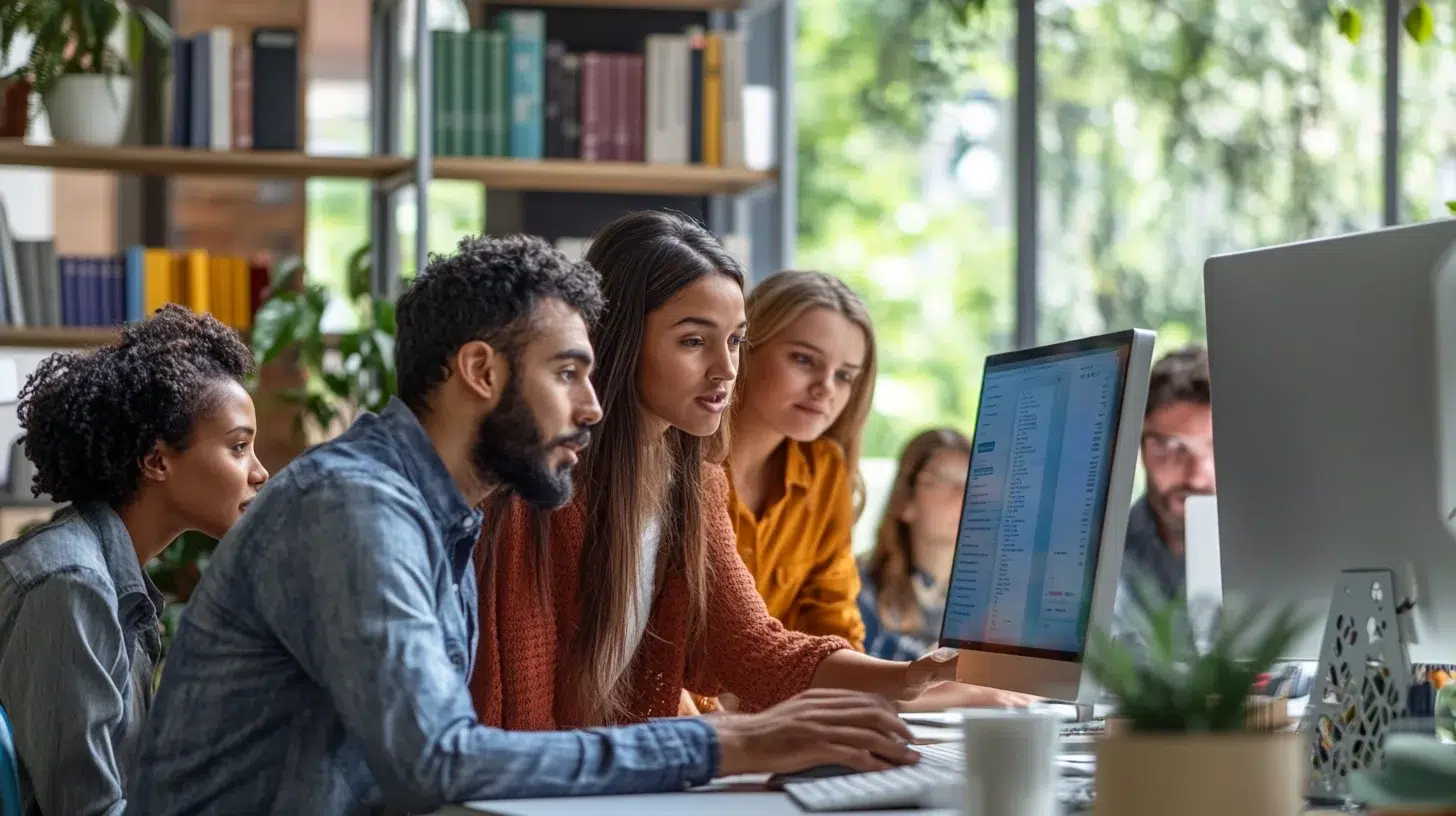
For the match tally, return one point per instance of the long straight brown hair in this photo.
(780, 300)
(891, 562)
(625, 476)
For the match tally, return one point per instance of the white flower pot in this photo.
(89, 109)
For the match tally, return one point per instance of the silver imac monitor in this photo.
(1045, 512)
(1326, 363)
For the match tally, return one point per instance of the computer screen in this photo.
(1032, 518)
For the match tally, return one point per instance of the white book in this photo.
(220, 75)
(760, 144)
(735, 78)
(669, 98)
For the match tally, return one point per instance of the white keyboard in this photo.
(907, 786)
(935, 781)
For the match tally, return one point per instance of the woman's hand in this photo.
(937, 667)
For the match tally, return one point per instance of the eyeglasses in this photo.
(1171, 448)
(940, 480)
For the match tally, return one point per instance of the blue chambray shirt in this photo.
(321, 664)
(78, 642)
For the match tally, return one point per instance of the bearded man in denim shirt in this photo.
(321, 665)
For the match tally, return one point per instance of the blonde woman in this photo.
(808, 375)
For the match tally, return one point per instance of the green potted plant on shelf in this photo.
(346, 372)
(1188, 735)
(81, 61)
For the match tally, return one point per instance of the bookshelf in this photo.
(557, 175)
(55, 337)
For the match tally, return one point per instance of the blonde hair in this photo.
(783, 298)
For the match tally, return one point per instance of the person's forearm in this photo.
(848, 669)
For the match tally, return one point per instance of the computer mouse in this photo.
(778, 780)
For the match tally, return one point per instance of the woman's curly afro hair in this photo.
(89, 418)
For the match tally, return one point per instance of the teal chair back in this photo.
(10, 804)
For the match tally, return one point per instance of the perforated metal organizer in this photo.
(1362, 685)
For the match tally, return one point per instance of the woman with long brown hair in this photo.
(646, 593)
(906, 575)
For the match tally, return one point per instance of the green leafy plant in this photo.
(1164, 683)
(75, 37)
(347, 372)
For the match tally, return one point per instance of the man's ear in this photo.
(154, 464)
(483, 371)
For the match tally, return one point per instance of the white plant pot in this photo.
(89, 109)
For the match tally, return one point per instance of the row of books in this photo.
(43, 289)
(509, 92)
(229, 94)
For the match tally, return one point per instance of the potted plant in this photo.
(346, 372)
(1189, 737)
(77, 64)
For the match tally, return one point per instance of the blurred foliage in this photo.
(1168, 131)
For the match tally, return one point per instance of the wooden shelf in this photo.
(174, 161)
(569, 176)
(54, 337)
(659, 5)
(551, 175)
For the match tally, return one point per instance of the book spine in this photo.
(500, 82)
(713, 99)
(551, 103)
(695, 107)
(525, 32)
(635, 90)
(275, 89)
(477, 92)
(440, 113)
(220, 75)
(616, 106)
(117, 269)
(182, 92)
(592, 125)
(242, 96)
(735, 75)
(135, 276)
(50, 278)
(200, 129)
(571, 106)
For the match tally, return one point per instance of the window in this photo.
(338, 107)
(1171, 132)
(905, 190)
(1428, 121)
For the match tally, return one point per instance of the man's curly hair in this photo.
(90, 417)
(487, 290)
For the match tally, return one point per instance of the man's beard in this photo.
(508, 450)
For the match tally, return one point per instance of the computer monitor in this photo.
(1045, 512)
(1325, 360)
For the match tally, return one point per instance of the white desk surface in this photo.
(726, 797)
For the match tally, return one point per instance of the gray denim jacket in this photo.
(78, 641)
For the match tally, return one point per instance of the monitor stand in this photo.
(1362, 682)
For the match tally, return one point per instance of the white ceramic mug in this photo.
(1011, 762)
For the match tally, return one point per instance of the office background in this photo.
(1025, 173)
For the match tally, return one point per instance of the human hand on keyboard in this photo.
(944, 696)
(817, 727)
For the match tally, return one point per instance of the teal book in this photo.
(526, 35)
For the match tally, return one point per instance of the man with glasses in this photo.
(1177, 449)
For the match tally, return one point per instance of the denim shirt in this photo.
(321, 664)
(888, 643)
(78, 641)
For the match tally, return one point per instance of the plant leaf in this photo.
(360, 268)
(1451, 207)
(1350, 23)
(274, 326)
(1420, 23)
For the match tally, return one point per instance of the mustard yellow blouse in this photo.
(799, 551)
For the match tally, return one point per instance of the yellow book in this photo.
(199, 297)
(156, 280)
(713, 100)
(177, 292)
(242, 305)
(217, 283)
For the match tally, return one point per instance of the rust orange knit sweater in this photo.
(516, 684)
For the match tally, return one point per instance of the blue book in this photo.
(116, 290)
(70, 298)
(134, 275)
(526, 43)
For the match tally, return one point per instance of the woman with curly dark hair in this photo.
(145, 438)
